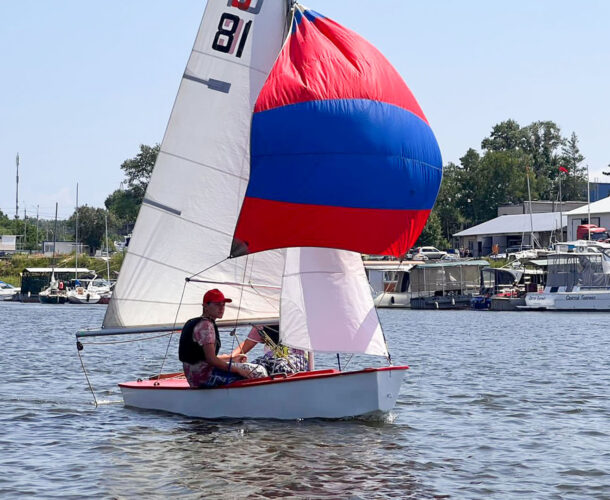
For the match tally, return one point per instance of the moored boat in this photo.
(8, 291)
(576, 281)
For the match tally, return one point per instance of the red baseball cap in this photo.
(214, 295)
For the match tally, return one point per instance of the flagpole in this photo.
(529, 195)
(560, 212)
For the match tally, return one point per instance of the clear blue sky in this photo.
(84, 83)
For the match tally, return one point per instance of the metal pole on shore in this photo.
(17, 189)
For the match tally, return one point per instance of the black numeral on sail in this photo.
(230, 34)
(223, 41)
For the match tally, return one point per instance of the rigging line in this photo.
(264, 297)
(171, 335)
(241, 295)
(389, 357)
(78, 349)
(206, 269)
(383, 292)
(234, 283)
(348, 362)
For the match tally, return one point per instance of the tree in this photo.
(574, 186)
(124, 204)
(505, 136)
(91, 226)
(543, 142)
(432, 233)
(446, 207)
(139, 169)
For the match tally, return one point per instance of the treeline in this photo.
(120, 212)
(470, 192)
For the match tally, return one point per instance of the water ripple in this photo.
(503, 406)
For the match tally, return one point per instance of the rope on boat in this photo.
(234, 331)
(171, 334)
(79, 348)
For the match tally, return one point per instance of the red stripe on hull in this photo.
(177, 381)
(265, 225)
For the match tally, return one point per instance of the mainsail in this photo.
(186, 222)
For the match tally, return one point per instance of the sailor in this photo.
(200, 344)
(277, 358)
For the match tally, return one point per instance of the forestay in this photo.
(191, 205)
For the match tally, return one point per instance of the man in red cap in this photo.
(200, 343)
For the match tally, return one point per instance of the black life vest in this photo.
(190, 351)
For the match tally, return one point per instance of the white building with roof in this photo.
(600, 215)
(513, 230)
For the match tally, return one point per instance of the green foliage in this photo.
(139, 169)
(25, 229)
(472, 191)
(432, 233)
(11, 267)
(91, 226)
(574, 185)
(124, 204)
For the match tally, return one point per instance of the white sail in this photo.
(193, 199)
(326, 303)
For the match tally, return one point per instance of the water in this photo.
(502, 405)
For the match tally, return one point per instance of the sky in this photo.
(84, 83)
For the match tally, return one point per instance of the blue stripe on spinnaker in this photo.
(348, 153)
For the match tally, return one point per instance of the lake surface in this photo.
(499, 405)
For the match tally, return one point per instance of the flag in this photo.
(563, 169)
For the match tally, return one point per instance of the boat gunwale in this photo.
(271, 380)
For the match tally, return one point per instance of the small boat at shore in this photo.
(55, 293)
(82, 295)
(578, 279)
(8, 291)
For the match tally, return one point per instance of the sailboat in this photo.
(56, 292)
(293, 147)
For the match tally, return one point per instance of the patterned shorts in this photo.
(221, 377)
(292, 363)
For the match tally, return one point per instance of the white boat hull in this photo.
(83, 298)
(598, 300)
(319, 394)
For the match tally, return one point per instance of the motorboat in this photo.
(8, 291)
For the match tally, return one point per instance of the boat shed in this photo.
(512, 230)
(34, 279)
(600, 215)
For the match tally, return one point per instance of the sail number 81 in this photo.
(231, 35)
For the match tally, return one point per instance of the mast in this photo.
(54, 240)
(76, 237)
(17, 190)
(588, 204)
(107, 249)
